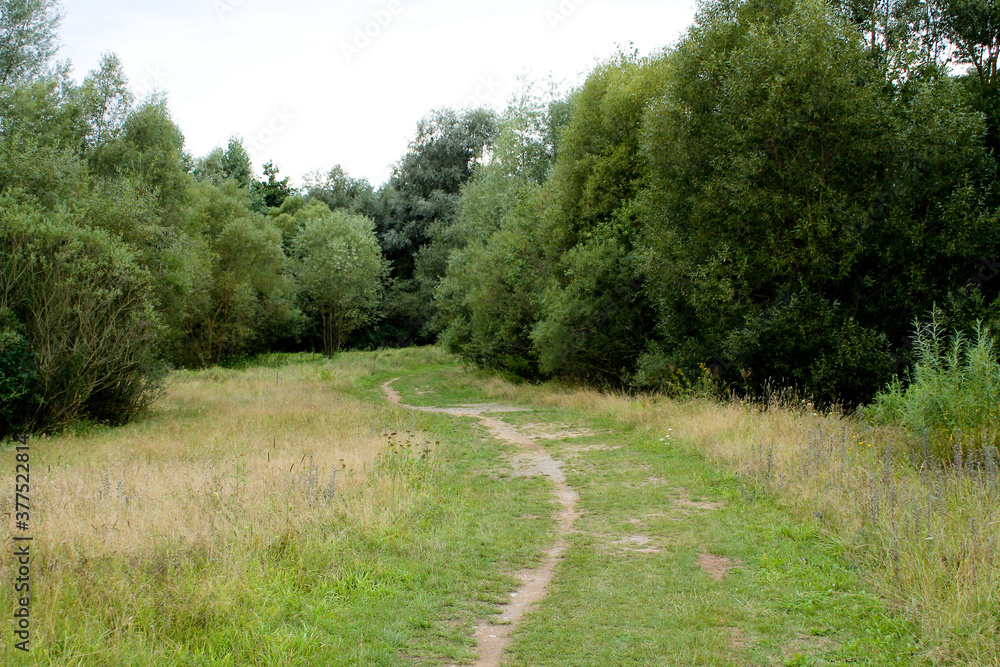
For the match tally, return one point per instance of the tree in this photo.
(339, 191)
(902, 37)
(341, 272)
(236, 163)
(150, 149)
(419, 203)
(497, 254)
(799, 215)
(106, 101)
(243, 295)
(973, 26)
(83, 314)
(27, 38)
(270, 193)
(488, 299)
(220, 164)
(594, 316)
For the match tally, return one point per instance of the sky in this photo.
(311, 84)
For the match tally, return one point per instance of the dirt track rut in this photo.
(492, 638)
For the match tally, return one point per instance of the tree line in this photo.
(770, 202)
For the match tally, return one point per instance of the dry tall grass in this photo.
(230, 467)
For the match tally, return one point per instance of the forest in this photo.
(772, 202)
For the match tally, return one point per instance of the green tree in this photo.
(420, 202)
(797, 212)
(339, 191)
(973, 27)
(272, 192)
(496, 252)
(243, 295)
(341, 273)
(149, 149)
(488, 299)
(232, 162)
(236, 163)
(18, 377)
(594, 317)
(106, 101)
(28, 38)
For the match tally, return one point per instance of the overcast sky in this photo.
(311, 84)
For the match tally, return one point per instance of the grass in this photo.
(951, 400)
(284, 513)
(281, 514)
(850, 518)
(632, 591)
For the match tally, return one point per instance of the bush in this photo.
(593, 328)
(953, 393)
(18, 377)
(88, 330)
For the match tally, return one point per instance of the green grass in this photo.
(795, 598)
(950, 402)
(399, 563)
(428, 524)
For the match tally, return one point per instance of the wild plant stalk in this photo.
(952, 398)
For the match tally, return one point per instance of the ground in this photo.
(395, 508)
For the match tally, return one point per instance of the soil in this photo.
(716, 567)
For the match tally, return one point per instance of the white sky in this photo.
(300, 85)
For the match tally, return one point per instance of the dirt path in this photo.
(492, 638)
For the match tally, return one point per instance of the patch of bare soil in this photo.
(641, 520)
(592, 448)
(639, 544)
(682, 501)
(716, 567)
(554, 431)
(492, 638)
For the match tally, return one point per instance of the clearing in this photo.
(393, 508)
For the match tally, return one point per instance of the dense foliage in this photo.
(121, 256)
(770, 202)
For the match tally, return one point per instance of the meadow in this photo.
(273, 515)
(285, 512)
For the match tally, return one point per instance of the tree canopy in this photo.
(771, 201)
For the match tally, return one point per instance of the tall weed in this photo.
(952, 398)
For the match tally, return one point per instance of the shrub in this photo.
(18, 376)
(953, 393)
(593, 328)
(88, 329)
